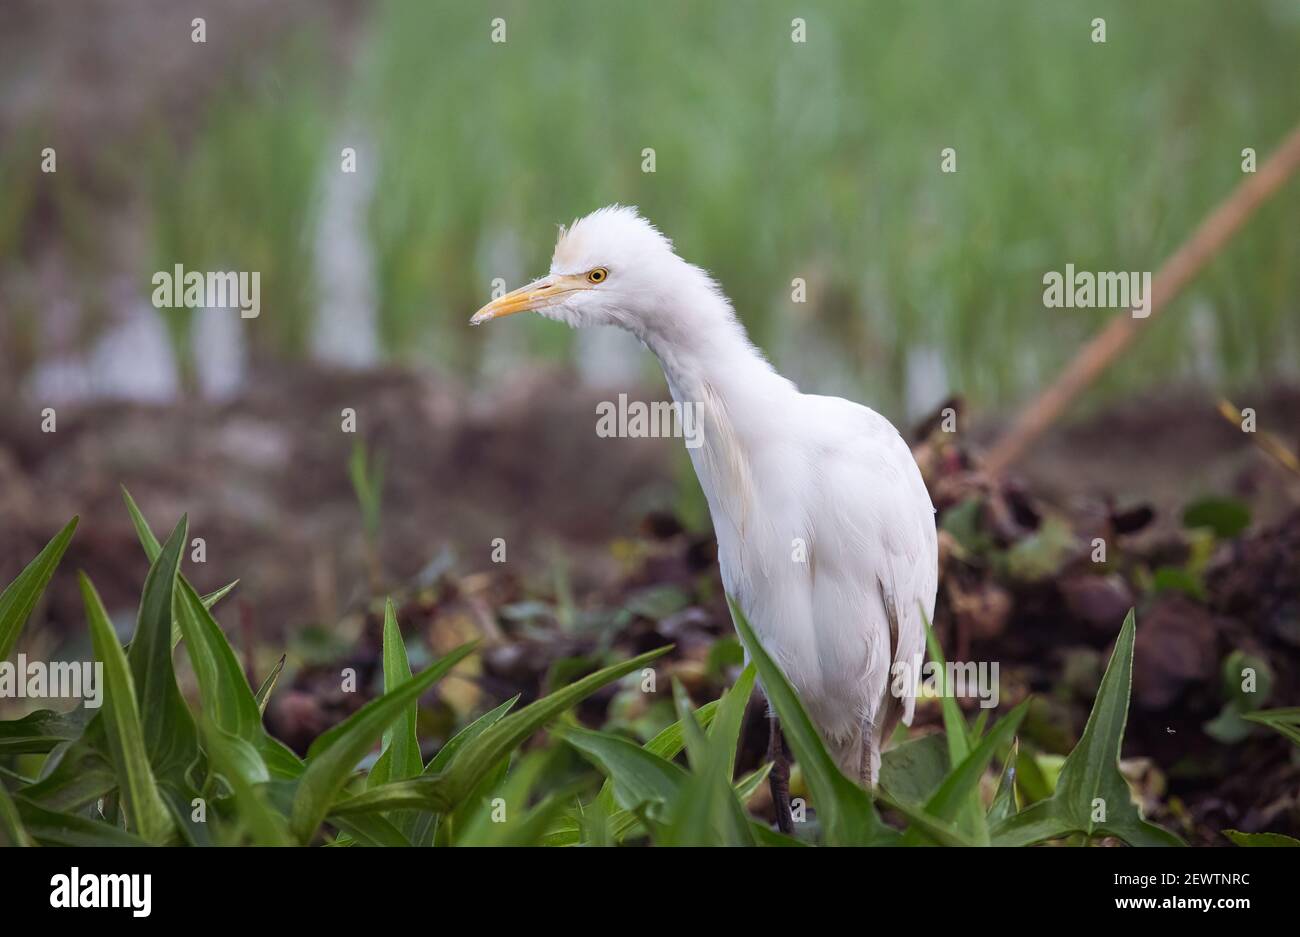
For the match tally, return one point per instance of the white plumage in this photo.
(826, 534)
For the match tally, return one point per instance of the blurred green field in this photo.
(775, 160)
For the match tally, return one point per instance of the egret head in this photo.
(610, 268)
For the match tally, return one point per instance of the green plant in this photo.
(147, 769)
(935, 790)
(366, 471)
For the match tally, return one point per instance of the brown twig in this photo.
(1269, 443)
(1194, 253)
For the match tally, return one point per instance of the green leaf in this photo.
(42, 730)
(1227, 517)
(370, 830)
(21, 595)
(151, 550)
(1004, 799)
(971, 817)
(1260, 839)
(427, 792)
(1091, 796)
(748, 786)
(602, 823)
(502, 817)
(212, 598)
(425, 825)
(447, 753)
(667, 745)
(263, 695)
(694, 737)
(940, 831)
(483, 753)
(12, 831)
(1043, 553)
(53, 828)
(1177, 579)
(400, 755)
(334, 755)
(1032, 783)
(845, 810)
(245, 771)
(472, 763)
(725, 731)
(707, 812)
(145, 808)
(75, 773)
(142, 531)
(227, 699)
(639, 777)
(913, 770)
(171, 738)
(1286, 721)
(961, 787)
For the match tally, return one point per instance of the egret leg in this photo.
(869, 766)
(779, 779)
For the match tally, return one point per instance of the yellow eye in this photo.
(598, 275)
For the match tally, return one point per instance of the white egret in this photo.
(825, 530)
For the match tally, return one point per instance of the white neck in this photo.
(710, 363)
(703, 349)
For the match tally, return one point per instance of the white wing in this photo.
(876, 546)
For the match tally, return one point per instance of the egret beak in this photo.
(536, 295)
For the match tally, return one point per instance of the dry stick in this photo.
(1178, 270)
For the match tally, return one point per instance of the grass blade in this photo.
(1286, 721)
(639, 777)
(621, 823)
(42, 730)
(1004, 799)
(244, 770)
(1261, 839)
(151, 550)
(962, 784)
(707, 811)
(483, 754)
(422, 830)
(263, 695)
(725, 731)
(21, 595)
(1092, 797)
(427, 792)
(53, 828)
(146, 810)
(227, 698)
(334, 755)
(960, 737)
(447, 753)
(171, 738)
(400, 756)
(12, 831)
